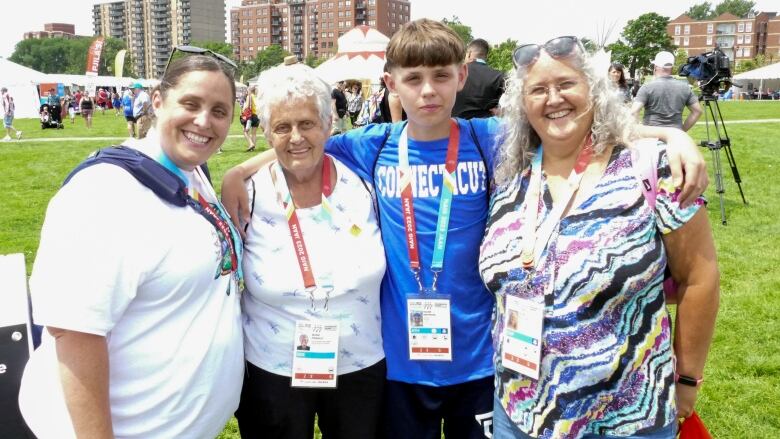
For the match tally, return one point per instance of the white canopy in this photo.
(766, 78)
(361, 56)
(21, 83)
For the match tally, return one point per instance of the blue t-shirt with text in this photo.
(471, 303)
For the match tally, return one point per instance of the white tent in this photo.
(21, 83)
(764, 78)
(361, 56)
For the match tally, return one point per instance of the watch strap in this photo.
(687, 381)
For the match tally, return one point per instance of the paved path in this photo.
(241, 136)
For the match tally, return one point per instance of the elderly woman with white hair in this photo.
(576, 250)
(314, 262)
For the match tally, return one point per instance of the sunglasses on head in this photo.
(557, 48)
(193, 50)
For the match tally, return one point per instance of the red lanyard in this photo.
(296, 234)
(533, 242)
(407, 198)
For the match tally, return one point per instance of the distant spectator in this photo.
(87, 106)
(141, 108)
(664, 98)
(127, 107)
(339, 103)
(618, 76)
(484, 84)
(355, 103)
(8, 115)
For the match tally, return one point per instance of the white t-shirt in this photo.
(276, 297)
(117, 261)
(138, 104)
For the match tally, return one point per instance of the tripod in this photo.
(722, 142)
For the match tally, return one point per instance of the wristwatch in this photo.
(687, 381)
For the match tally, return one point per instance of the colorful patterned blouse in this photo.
(607, 354)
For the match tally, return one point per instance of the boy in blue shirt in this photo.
(415, 167)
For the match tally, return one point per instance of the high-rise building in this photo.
(53, 30)
(308, 27)
(151, 28)
(739, 38)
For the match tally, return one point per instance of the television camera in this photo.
(711, 69)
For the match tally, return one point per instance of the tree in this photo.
(463, 31)
(219, 47)
(500, 56)
(271, 56)
(700, 11)
(640, 40)
(680, 58)
(740, 8)
(69, 56)
(590, 46)
(313, 61)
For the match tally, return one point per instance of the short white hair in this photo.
(291, 83)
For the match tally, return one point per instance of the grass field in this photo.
(741, 394)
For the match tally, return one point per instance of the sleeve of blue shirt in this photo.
(488, 133)
(358, 149)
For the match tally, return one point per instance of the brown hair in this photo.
(424, 42)
(195, 63)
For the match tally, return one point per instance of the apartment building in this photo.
(151, 28)
(308, 27)
(52, 30)
(739, 38)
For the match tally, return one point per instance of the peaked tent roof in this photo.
(12, 73)
(361, 55)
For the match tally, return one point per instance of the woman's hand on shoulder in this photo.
(689, 170)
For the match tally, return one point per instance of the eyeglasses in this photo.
(193, 50)
(557, 48)
(540, 92)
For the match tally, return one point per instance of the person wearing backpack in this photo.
(139, 295)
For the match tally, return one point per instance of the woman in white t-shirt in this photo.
(139, 296)
(314, 257)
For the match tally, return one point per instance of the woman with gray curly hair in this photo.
(314, 261)
(576, 251)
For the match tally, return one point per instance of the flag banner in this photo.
(119, 63)
(93, 57)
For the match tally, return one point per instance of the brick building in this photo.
(739, 38)
(308, 27)
(53, 30)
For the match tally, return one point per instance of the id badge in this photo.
(429, 330)
(315, 353)
(521, 344)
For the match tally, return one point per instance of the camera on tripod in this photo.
(711, 69)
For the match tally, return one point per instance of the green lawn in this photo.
(742, 388)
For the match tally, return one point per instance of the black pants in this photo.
(416, 411)
(271, 409)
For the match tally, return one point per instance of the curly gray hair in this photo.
(613, 122)
(291, 83)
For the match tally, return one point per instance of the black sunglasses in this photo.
(193, 50)
(559, 47)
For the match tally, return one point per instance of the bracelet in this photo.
(687, 381)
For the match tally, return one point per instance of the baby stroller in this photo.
(51, 117)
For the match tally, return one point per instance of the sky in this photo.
(493, 20)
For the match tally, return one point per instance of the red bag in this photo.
(247, 113)
(693, 428)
